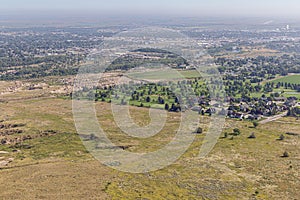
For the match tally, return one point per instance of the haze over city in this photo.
(150, 99)
(288, 8)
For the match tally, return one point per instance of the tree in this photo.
(255, 124)
(167, 106)
(236, 131)
(285, 154)
(281, 137)
(148, 99)
(225, 135)
(252, 136)
(175, 108)
(199, 130)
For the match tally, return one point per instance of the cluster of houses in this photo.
(254, 110)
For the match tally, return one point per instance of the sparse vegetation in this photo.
(285, 154)
(281, 137)
(236, 132)
(255, 124)
(252, 136)
(199, 130)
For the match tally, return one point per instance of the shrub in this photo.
(285, 154)
(252, 136)
(167, 106)
(281, 137)
(225, 135)
(199, 130)
(236, 131)
(255, 124)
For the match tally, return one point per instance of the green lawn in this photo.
(287, 93)
(165, 74)
(293, 79)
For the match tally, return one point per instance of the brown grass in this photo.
(58, 167)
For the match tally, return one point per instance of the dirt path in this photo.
(274, 118)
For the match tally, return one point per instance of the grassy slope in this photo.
(58, 167)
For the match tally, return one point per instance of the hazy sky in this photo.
(181, 7)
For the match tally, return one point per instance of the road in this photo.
(274, 118)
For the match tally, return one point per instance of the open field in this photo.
(59, 167)
(170, 74)
(253, 52)
(293, 79)
(284, 92)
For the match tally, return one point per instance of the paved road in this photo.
(274, 118)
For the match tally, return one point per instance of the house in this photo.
(196, 108)
(217, 105)
(239, 115)
(252, 117)
(283, 99)
(290, 102)
(244, 108)
(210, 111)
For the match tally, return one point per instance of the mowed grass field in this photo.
(165, 74)
(293, 79)
(59, 167)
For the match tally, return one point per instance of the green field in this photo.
(165, 74)
(293, 79)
